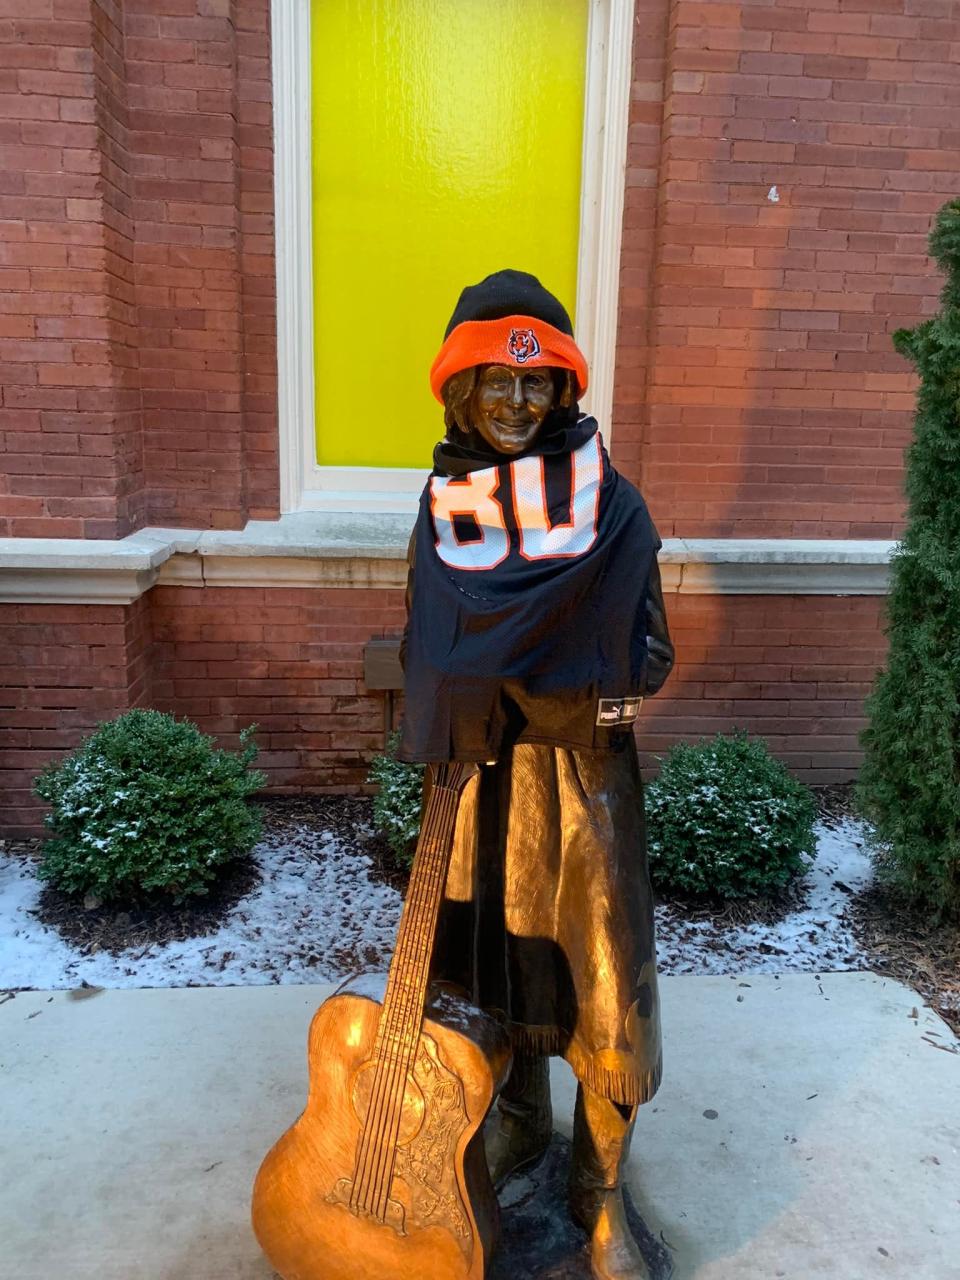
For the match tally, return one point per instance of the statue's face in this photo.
(508, 405)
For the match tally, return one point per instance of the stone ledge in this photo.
(50, 585)
(327, 549)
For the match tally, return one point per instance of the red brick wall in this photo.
(290, 660)
(136, 266)
(65, 669)
(638, 251)
(70, 406)
(200, 133)
(792, 669)
(758, 394)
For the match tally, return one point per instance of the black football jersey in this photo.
(527, 604)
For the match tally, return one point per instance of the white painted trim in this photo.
(293, 213)
(272, 571)
(181, 571)
(75, 586)
(603, 177)
(777, 578)
(389, 489)
(340, 549)
(304, 486)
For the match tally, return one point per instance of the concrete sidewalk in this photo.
(810, 1129)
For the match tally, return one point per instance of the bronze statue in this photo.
(536, 626)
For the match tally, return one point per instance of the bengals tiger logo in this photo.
(523, 345)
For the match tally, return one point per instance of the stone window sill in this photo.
(324, 549)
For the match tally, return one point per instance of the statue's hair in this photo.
(456, 392)
(459, 387)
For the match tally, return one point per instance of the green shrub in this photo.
(909, 784)
(725, 818)
(147, 804)
(396, 806)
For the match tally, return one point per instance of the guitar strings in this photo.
(385, 1045)
(392, 1095)
(416, 998)
(400, 996)
(409, 1005)
(396, 1052)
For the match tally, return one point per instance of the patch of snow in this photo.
(815, 937)
(316, 915)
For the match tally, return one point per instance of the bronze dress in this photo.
(547, 919)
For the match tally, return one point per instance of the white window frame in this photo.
(305, 486)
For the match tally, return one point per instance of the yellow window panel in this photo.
(446, 145)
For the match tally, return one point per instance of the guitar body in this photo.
(441, 1212)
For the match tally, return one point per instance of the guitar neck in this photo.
(402, 1012)
(401, 1016)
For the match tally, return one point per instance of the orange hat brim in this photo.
(523, 342)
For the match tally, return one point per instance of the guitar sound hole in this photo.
(411, 1115)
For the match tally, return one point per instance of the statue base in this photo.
(538, 1238)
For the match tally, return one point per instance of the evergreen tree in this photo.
(909, 786)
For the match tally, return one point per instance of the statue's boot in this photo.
(601, 1142)
(524, 1125)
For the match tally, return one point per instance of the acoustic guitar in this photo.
(384, 1176)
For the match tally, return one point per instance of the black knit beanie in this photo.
(509, 293)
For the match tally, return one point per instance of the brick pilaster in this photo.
(68, 367)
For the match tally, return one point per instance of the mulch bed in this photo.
(344, 816)
(835, 803)
(765, 908)
(152, 919)
(897, 940)
(900, 941)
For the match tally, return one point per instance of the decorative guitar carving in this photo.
(383, 1176)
